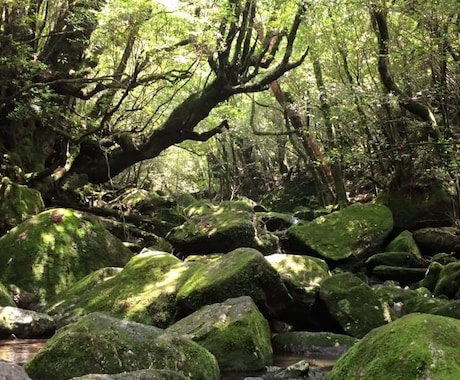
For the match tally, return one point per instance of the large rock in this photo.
(242, 272)
(25, 324)
(357, 230)
(5, 297)
(234, 331)
(417, 346)
(17, 203)
(104, 345)
(352, 303)
(404, 242)
(144, 291)
(52, 250)
(142, 374)
(221, 229)
(11, 371)
(433, 240)
(448, 283)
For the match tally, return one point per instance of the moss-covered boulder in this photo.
(432, 276)
(352, 303)
(49, 252)
(242, 272)
(302, 276)
(449, 281)
(142, 374)
(396, 259)
(221, 229)
(423, 304)
(402, 275)
(234, 331)
(5, 297)
(433, 240)
(25, 324)
(102, 344)
(414, 347)
(404, 242)
(357, 230)
(144, 291)
(17, 203)
(312, 343)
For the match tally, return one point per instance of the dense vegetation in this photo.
(230, 97)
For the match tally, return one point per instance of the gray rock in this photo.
(25, 324)
(11, 371)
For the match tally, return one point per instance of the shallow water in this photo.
(19, 351)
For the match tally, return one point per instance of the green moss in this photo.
(404, 242)
(144, 291)
(243, 271)
(353, 231)
(417, 346)
(51, 251)
(100, 344)
(5, 297)
(449, 281)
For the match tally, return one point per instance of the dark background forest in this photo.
(319, 102)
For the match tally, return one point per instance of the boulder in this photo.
(449, 281)
(404, 242)
(104, 345)
(352, 303)
(11, 371)
(51, 251)
(396, 259)
(144, 291)
(302, 276)
(242, 272)
(432, 276)
(234, 331)
(423, 304)
(221, 229)
(416, 346)
(394, 297)
(402, 275)
(433, 240)
(312, 343)
(5, 297)
(17, 203)
(142, 374)
(356, 231)
(25, 324)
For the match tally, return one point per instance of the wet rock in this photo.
(143, 374)
(25, 324)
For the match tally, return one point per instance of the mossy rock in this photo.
(414, 347)
(432, 276)
(449, 281)
(434, 240)
(397, 259)
(423, 304)
(242, 272)
(402, 275)
(144, 291)
(142, 374)
(49, 252)
(275, 221)
(17, 203)
(221, 229)
(5, 297)
(234, 331)
(357, 230)
(352, 303)
(404, 242)
(312, 343)
(302, 276)
(102, 344)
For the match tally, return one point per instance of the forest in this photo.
(339, 99)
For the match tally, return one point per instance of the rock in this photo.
(221, 229)
(5, 297)
(357, 230)
(11, 371)
(312, 343)
(25, 324)
(144, 291)
(401, 274)
(244, 271)
(49, 252)
(23, 299)
(448, 309)
(404, 242)
(103, 345)
(296, 370)
(17, 203)
(393, 298)
(302, 276)
(143, 374)
(416, 346)
(433, 240)
(396, 259)
(449, 281)
(234, 331)
(352, 303)
(432, 276)
(275, 221)
(423, 304)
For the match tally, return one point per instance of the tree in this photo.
(67, 100)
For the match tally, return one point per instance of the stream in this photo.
(20, 351)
